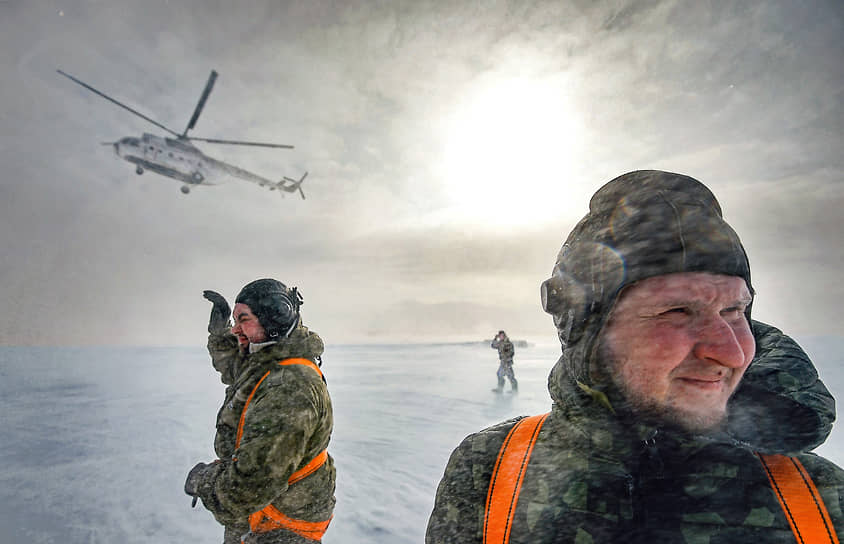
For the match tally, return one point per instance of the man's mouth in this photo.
(709, 383)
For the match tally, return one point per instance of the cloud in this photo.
(745, 97)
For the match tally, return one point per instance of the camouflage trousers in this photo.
(505, 370)
(280, 536)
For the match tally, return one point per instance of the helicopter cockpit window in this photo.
(131, 142)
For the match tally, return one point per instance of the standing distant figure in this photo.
(505, 358)
(273, 481)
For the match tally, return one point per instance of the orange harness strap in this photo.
(802, 504)
(243, 413)
(304, 362)
(796, 492)
(270, 518)
(309, 469)
(286, 362)
(507, 477)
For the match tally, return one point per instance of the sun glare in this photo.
(507, 151)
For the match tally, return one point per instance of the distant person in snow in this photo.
(675, 418)
(505, 361)
(274, 480)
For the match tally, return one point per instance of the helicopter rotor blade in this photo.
(124, 106)
(237, 142)
(201, 104)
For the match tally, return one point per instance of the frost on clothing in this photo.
(288, 423)
(596, 477)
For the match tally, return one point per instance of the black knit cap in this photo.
(641, 224)
(275, 306)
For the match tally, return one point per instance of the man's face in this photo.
(246, 326)
(677, 346)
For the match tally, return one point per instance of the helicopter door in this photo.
(151, 151)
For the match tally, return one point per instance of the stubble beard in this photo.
(659, 414)
(650, 411)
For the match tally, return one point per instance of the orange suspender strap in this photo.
(309, 469)
(507, 478)
(796, 492)
(270, 518)
(243, 413)
(304, 362)
(802, 504)
(286, 362)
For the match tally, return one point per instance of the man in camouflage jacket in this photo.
(608, 467)
(287, 424)
(505, 360)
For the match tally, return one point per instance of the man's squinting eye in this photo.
(733, 311)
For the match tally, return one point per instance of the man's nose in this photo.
(718, 342)
(236, 328)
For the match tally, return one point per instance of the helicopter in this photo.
(179, 159)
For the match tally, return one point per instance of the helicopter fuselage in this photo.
(166, 156)
(177, 158)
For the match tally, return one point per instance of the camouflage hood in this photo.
(302, 343)
(642, 224)
(649, 223)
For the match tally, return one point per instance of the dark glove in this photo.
(194, 479)
(200, 476)
(218, 323)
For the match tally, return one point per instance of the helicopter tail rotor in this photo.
(294, 184)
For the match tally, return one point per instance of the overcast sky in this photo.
(450, 147)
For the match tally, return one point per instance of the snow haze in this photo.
(98, 441)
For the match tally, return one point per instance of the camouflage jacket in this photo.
(594, 478)
(288, 422)
(505, 349)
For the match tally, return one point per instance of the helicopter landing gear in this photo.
(139, 170)
(185, 189)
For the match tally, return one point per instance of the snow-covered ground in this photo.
(97, 441)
